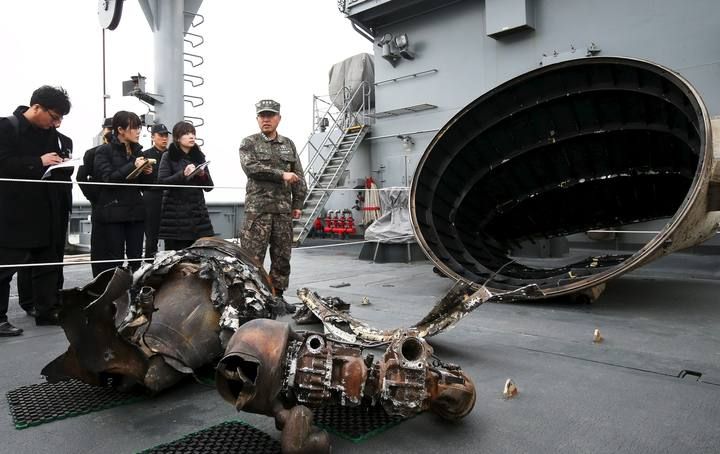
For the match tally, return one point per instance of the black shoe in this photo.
(32, 312)
(7, 330)
(289, 308)
(49, 319)
(304, 316)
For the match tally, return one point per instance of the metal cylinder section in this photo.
(596, 143)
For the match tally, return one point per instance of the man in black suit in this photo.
(34, 213)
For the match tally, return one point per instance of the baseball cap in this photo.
(159, 129)
(267, 105)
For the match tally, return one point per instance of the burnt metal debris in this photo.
(180, 313)
(460, 300)
(584, 144)
(270, 369)
(168, 319)
(305, 316)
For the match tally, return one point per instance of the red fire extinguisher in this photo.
(328, 223)
(349, 224)
(339, 225)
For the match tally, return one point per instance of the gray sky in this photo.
(60, 43)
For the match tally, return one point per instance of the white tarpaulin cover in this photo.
(393, 226)
(350, 73)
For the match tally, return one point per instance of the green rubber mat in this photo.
(355, 423)
(37, 404)
(231, 437)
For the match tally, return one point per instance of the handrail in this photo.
(338, 116)
(305, 222)
(194, 60)
(359, 116)
(327, 114)
(194, 44)
(193, 24)
(190, 118)
(194, 80)
(192, 63)
(190, 98)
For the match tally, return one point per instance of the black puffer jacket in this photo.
(116, 203)
(184, 214)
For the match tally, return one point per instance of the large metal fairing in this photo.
(172, 317)
(586, 144)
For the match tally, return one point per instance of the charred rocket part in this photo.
(270, 369)
(460, 300)
(587, 144)
(170, 318)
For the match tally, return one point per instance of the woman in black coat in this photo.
(119, 213)
(184, 217)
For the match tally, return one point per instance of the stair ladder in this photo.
(344, 129)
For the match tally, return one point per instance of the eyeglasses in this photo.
(54, 116)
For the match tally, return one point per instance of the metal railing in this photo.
(331, 120)
(342, 120)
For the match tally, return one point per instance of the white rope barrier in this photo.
(100, 183)
(70, 263)
(177, 186)
(82, 259)
(653, 232)
(322, 246)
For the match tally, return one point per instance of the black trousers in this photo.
(24, 286)
(95, 246)
(44, 278)
(153, 205)
(116, 240)
(25, 274)
(24, 278)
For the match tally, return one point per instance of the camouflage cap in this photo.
(267, 105)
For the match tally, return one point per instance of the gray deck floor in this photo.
(623, 395)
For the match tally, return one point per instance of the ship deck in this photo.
(625, 394)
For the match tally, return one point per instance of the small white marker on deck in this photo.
(511, 390)
(597, 338)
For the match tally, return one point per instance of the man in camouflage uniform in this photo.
(274, 195)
